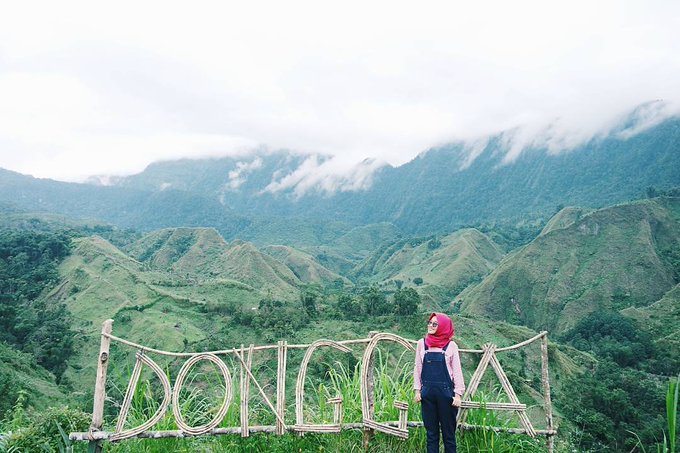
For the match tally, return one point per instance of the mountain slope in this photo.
(610, 259)
(443, 189)
(120, 206)
(441, 267)
(20, 372)
(564, 218)
(304, 266)
(661, 319)
(161, 308)
(201, 254)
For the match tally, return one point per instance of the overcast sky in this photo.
(106, 88)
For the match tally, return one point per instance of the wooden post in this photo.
(403, 413)
(100, 386)
(281, 387)
(245, 390)
(368, 433)
(337, 409)
(545, 378)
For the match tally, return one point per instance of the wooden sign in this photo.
(244, 358)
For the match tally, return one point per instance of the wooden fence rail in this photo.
(244, 358)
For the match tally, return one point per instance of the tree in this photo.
(349, 307)
(374, 302)
(308, 299)
(406, 302)
(28, 265)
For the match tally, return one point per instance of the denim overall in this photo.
(436, 402)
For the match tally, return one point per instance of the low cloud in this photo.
(326, 175)
(239, 175)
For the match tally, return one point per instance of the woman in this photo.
(438, 382)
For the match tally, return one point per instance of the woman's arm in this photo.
(456, 370)
(418, 366)
(417, 370)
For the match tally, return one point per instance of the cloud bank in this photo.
(87, 88)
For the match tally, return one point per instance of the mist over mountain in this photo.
(443, 189)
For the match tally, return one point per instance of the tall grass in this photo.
(672, 412)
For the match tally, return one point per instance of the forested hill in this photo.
(436, 192)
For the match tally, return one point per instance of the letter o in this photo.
(196, 430)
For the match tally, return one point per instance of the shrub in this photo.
(44, 432)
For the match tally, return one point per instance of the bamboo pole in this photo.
(366, 385)
(545, 378)
(245, 390)
(103, 435)
(127, 401)
(368, 425)
(281, 387)
(300, 346)
(368, 403)
(259, 388)
(337, 409)
(300, 383)
(471, 389)
(100, 386)
(221, 412)
(493, 406)
(403, 413)
(160, 412)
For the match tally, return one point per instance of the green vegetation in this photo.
(47, 432)
(624, 391)
(611, 259)
(441, 267)
(28, 265)
(603, 282)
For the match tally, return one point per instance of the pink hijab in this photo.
(445, 331)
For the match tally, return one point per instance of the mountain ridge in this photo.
(437, 192)
(609, 259)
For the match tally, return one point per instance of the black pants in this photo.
(438, 413)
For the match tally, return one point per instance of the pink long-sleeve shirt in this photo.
(452, 358)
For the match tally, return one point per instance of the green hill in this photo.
(187, 289)
(440, 267)
(201, 254)
(178, 249)
(361, 241)
(564, 218)
(304, 266)
(661, 319)
(345, 252)
(611, 259)
(99, 281)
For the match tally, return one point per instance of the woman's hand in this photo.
(418, 398)
(456, 401)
